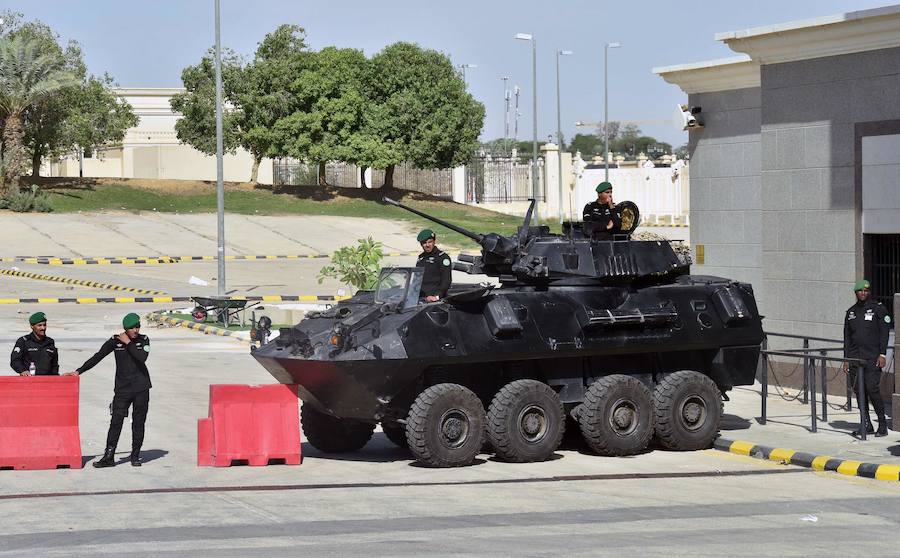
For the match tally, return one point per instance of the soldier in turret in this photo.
(436, 280)
(601, 216)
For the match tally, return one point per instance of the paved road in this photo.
(376, 501)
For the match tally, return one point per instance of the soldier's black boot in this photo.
(882, 429)
(108, 459)
(136, 458)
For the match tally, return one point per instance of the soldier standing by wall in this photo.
(132, 388)
(35, 353)
(866, 330)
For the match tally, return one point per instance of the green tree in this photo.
(588, 144)
(28, 75)
(419, 109)
(357, 266)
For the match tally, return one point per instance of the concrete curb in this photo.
(168, 299)
(242, 336)
(157, 260)
(815, 462)
(69, 281)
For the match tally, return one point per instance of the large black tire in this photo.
(396, 434)
(687, 407)
(616, 417)
(334, 435)
(445, 427)
(525, 421)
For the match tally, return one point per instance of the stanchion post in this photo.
(849, 406)
(764, 360)
(863, 404)
(813, 413)
(805, 371)
(824, 386)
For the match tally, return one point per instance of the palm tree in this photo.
(27, 75)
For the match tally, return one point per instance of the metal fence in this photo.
(434, 182)
(502, 179)
(437, 182)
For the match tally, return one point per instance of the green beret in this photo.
(37, 318)
(603, 187)
(131, 320)
(861, 284)
(424, 235)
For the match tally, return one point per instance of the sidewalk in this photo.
(788, 427)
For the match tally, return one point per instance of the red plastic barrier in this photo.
(255, 424)
(39, 422)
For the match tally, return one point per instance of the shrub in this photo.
(357, 266)
(24, 202)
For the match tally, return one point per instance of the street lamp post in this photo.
(606, 107)
(534, 116)
(220, 185)
(462, 68)
(559, 134)
(506, 111)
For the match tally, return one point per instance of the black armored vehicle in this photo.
(610, 333)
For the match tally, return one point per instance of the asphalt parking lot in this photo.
(375, 501)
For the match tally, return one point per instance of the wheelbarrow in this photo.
(225, 310)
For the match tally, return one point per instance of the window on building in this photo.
(881, 257)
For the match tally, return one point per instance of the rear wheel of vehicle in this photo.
(525, 421)
(688, 408)
(616, 416)
(445, 427)
(199, 314)
(334, 435)
(396, 434)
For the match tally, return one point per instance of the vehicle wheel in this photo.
(445, 427)
(688, 407)
(199, 314)
(396, 434)
(617, 416)
(334, 435)
(525, 421)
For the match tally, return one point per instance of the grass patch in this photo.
(307, 200)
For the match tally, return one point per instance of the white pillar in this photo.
(549, 209)
(458, 184)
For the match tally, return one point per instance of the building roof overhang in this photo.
(723, 74)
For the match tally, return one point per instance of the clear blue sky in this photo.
(146, 44)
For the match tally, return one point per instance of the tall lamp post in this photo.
(559, 134)
(606, 107)
(534, 116)
(462, 68)
(506, 111)
(220, 185)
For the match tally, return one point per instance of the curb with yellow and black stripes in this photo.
(203, 328)
(168, 299)
(158, 260)
(848, 467)
(69, 281)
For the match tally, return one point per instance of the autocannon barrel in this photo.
(474, 236)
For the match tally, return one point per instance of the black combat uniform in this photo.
(42, 352)
(866, 330)
(436, 280)
(597, 216)
(132, 387)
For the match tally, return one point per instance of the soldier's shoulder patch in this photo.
(887, 319)
(446, 261)
(146, 348)
(17, 349)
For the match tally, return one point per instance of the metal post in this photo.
(765, 380)
(805, 372)
(506, 111)
(534, 113)
(849, 406)
(812, 388)
(863, 404)
(824, 387)
(559, 135)
(220, 185)
(606, 48)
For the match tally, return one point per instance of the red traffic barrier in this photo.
(251, 424)
(39, 422)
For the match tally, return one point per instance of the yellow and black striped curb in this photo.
(203, 328)
(166, 299)
(157, 260)
(673, 225)
(815, 462)
(69, 281)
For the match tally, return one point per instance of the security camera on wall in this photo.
(687, 117)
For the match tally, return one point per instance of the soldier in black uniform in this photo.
(132, 387)
(601, 218)
(35, 348)
(436, 280)
(866, 329)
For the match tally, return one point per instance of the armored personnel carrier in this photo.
(607, 332)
